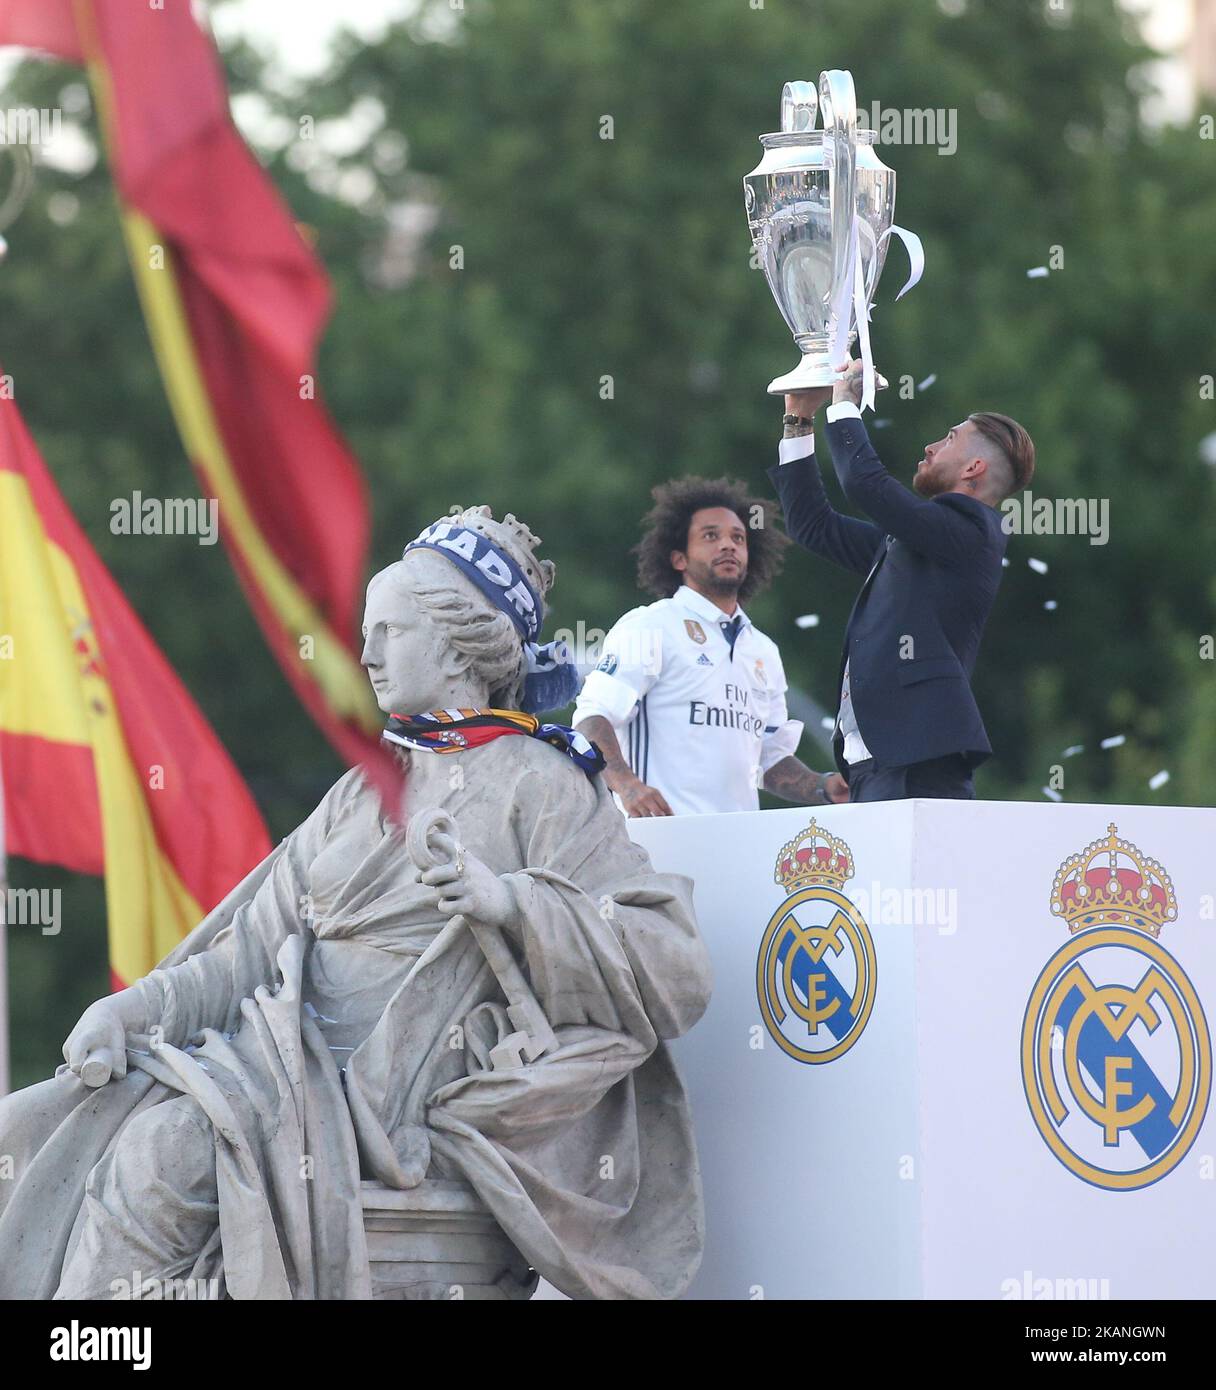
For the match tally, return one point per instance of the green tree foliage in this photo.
(581, 321)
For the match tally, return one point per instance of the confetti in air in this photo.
(1117, 741)
(1039, 566)
(928, 381)
(1051, 605)
(828, 722)
(1207, 449)
(1004, 562)
(1072, 750)
(807, 620)
(1037, 272)
(1158, 779)
(1051, 794)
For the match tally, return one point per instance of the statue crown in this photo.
(516, 537)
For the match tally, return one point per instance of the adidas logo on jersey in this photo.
(703, 660)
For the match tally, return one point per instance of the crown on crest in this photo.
(816, 857)
(1111, 882)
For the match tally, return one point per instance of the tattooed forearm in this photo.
(792, 780)
(596, 728)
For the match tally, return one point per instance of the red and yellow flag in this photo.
(108, 765)
(235, 302)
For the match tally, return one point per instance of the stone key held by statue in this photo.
(533, 1036)
(97, 1068)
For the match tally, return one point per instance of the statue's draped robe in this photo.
(331, 955)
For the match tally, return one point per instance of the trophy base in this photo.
(813, 371)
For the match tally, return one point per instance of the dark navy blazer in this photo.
(932, 567)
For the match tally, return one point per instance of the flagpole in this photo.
(10, 207)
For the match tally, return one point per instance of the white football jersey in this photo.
(694, 718)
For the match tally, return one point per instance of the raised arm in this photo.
(810, 518)
(950, 533)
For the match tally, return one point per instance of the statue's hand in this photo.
(99, 1032)
(102, 1030)
(467, 887)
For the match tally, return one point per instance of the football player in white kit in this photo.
(690, 687)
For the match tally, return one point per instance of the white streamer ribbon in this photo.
(853, 295)
(916, 256)
(842, 304)
(862, 311)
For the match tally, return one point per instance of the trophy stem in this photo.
(814, 370)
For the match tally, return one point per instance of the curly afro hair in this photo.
(668, 521)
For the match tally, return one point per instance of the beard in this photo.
(925, 483)
(712, 579)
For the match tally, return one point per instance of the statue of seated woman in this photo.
(475, 993)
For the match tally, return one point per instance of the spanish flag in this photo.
(108, 766)
(235, 303)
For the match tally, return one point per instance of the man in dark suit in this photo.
(908, 723)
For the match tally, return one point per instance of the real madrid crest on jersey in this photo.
(1116, 1055)
(816, 973)
(695, 630)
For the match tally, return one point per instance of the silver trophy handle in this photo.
(799, 106)
(838, 100)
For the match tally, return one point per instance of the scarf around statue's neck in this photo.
(454, 730)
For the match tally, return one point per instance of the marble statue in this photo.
(474, 1000)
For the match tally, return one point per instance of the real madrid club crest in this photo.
(1116, 1055)
(816, 972)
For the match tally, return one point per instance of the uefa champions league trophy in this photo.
(820, 206)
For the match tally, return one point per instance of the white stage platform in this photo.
(915, 1080)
